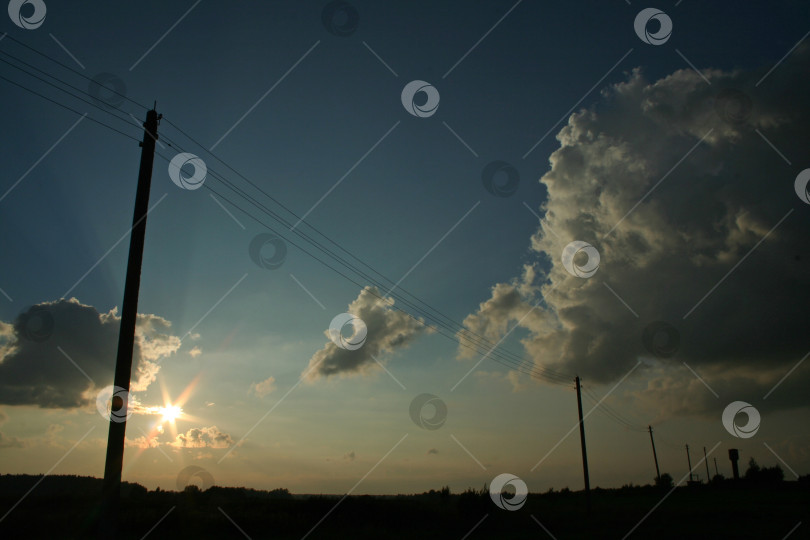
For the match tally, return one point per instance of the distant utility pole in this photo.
(126, 335)
(689, 460)
(582, 444)
(706, 459)
(716, 472)
(655, 456)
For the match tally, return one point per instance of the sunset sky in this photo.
(677, 162)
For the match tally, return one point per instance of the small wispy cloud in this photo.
(261, 389)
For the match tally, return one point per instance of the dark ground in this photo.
(66, 506)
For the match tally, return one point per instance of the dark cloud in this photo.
(388, 331)
(34, 350)
(676, 251)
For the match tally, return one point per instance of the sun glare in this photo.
(170, 413)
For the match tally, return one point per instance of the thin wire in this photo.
(608, 408)
(92, 104)
(521, 368)
(79, 73)
(615, 415)
(69, 108)
(357, 283)
(457, 327)
(668, 442)
(515, 362)
(610, 415)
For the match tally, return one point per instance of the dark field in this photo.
(66, 507)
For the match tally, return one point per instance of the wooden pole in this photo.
(706, 459)
(655, 456)
(126, 335)
(582, 444)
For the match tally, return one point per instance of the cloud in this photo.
(388, 331)
(686, 233)
(5, 440)
(205, 437)
(142, 442)
(514, 380)
(10, 442)
(33, 370)
(195, 352)
(52, 435)
(263, 388)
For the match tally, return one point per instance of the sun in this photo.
(170, 413)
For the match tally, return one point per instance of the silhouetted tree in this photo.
(665, 481)
(471, 501)
(763, 475)
(753, 469)
(445, 493)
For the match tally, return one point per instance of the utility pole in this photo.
(126, 335)
(582, 444)
(716, 472)
(689, 460)
(706, 459)
(655, 456)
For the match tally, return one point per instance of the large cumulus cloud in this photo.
(388, 330)
(34, 371)
(675, 185)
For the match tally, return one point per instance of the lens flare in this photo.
(170, 413)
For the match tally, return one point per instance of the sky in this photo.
(568, 189)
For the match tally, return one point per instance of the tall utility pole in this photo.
(716, 472)
(689, 460)
(582, 443)
(126, 335)
(706, 459)
(655, 456)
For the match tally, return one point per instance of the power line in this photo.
(92, 104)
(607, 410)
(68, 108)
(67, 67)
(287, 223)
(439, 327)
(515, 360)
